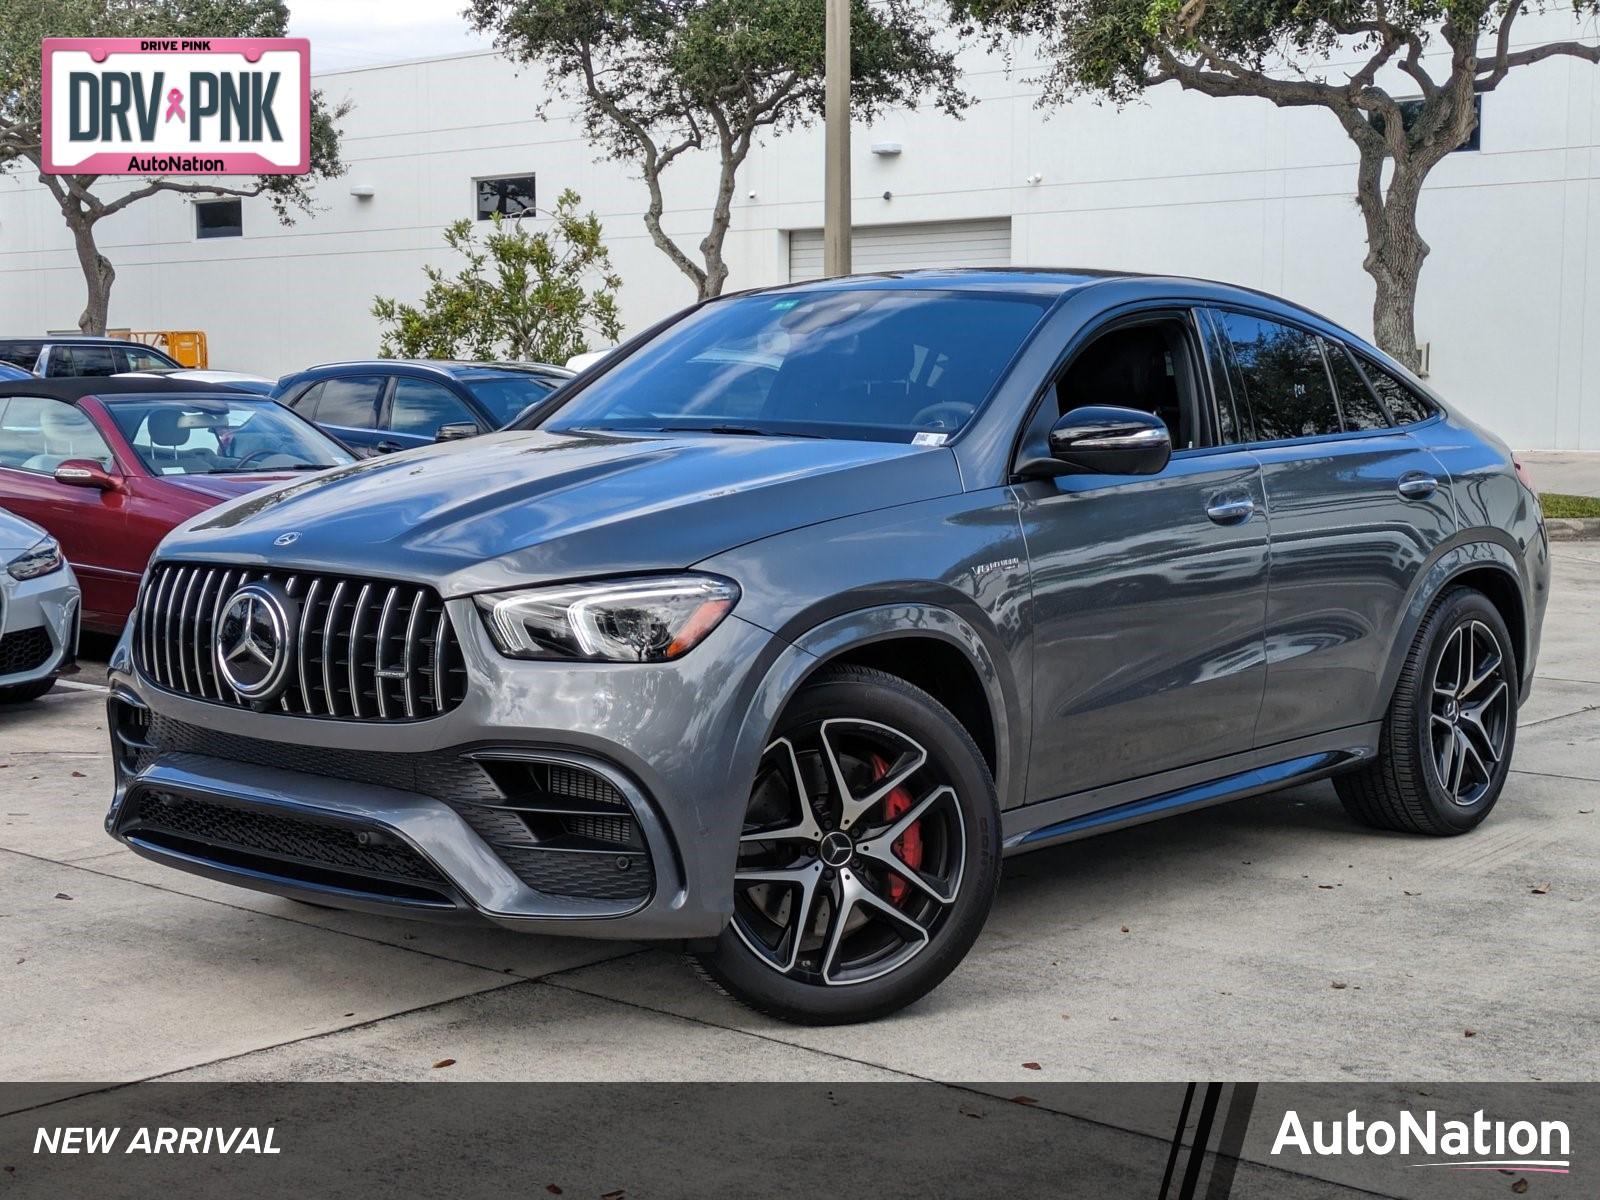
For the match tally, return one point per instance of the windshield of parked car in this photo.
(839, 363)
(506, 396)
(217, 436)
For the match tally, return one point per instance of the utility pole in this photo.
(836, 121)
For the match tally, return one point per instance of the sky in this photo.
(366, 33)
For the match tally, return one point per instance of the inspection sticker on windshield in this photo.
(930, 439)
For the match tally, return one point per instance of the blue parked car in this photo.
(382, 405)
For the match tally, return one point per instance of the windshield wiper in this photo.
(741, 430)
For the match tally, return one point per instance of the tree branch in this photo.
(1523, 58)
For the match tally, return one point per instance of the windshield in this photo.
(216, 436)
(507, 395)
(851, 364)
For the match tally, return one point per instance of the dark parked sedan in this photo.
(388, 404)
(801, 611)
(108, 466)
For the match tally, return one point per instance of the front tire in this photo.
(1445, 748)
(869, 855)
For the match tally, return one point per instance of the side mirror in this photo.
(85, 472)
(1103, 440)
(454, 433)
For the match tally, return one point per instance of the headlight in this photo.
(41, 559)
(643, 619)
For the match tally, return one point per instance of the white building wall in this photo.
(1228, 189)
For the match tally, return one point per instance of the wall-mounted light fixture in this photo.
(886, 149)
(363, 191)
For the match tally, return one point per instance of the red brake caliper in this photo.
(908, 847)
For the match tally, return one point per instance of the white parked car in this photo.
(259, 384)
(579, 363)
(39, 606)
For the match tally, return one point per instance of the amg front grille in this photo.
(362, 649)
(24, 650)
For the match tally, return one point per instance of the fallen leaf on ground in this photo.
(79, 775)
(1125, 929)
(1406, 893)
(1030, 1066)
(1520, 1186)
(1541, 889)
(616, 1195)
(62, 896)
(1023, 1100)
(444, 1062)
(552, 1189)
(967, 1112)
(1339, 987)
(1327, 887)
(1469, 1033)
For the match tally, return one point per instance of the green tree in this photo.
(654, 79)
(522, 294)
(1444, 53)
(86, 200)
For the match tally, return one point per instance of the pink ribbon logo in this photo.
(175, 105)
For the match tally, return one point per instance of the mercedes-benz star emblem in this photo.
(286, 539)
(253, 641)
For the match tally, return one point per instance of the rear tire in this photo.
(21, 693)
(851, 910)
(1445, 747)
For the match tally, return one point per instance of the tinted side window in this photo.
(1405, 405)
(1284, 381)
(21, 354)
(352, 403)
(1360, 407)
(95, 361)
(420, 407)
(306, 402)
(144, 360)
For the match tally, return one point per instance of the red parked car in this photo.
(108, 466)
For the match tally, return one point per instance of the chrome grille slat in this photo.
(357, 618)
(418, 604)
(303, 664)
(439, 659)
(377, 651)
(329, 624)
(406, 675)
(184, 643)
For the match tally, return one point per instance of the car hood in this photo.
(16, 535)
(532, 506)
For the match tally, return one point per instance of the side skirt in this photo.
(1119, 805)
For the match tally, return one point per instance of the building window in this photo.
(218, 218)
(1411, 109)
(507, 195)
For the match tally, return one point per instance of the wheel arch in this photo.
(1487, 567)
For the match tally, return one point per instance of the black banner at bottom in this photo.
(1177, 1141)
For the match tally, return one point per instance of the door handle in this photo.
(388, 447)
(1231, 512)
(1417, 486)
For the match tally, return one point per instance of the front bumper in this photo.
(39, 620)
(430, 818)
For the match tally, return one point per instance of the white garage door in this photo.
(905, 247)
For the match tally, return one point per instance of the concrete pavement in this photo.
(1269, 938)
(1576, 473)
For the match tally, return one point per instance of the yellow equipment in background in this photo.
(186, 346)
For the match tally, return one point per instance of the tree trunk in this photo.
(733, 152)
(98, 275)
(1395, 252)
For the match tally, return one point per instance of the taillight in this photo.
(1522, 474)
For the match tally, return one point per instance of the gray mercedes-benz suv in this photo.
(808, 605)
